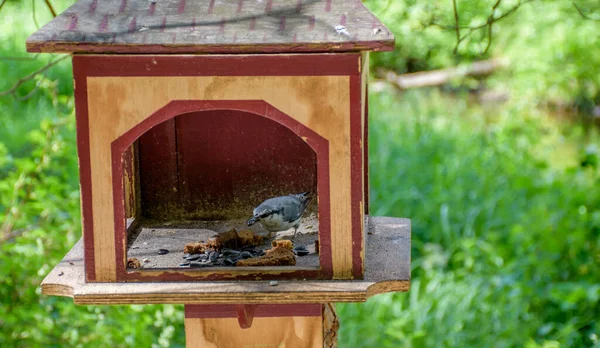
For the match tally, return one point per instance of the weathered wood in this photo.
(130, 184)
(387, 269)
(179, 26)
(331, 324)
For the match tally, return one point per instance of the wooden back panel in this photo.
(198, 165)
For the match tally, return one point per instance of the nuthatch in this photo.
(281, 213)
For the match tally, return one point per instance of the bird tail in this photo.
(305, 198)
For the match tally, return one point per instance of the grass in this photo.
(504, 244)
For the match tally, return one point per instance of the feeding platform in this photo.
(387, 270)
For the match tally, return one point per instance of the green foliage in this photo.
(17, 118)
(550, 46)
(505, 247)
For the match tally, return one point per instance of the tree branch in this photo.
(50, 7)
(7, 236)
(37, 25)
(583, 15)
(457, 27)
(385, 8)
(490, 22)
(18, 58)
(31, 76)
(470, 29)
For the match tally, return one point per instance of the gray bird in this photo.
(281, 213)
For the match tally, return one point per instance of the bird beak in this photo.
(252, 221)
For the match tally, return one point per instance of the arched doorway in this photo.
(195, 168)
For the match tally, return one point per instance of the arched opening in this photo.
(198, 173)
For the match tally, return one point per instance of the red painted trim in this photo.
(239, 65)
(119, 210)
(261, 311)
(366, 151)
(177, 107)
(356, 168)
(245, 315)
(128, 169)
(85, 170)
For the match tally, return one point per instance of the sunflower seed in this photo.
(246, 255)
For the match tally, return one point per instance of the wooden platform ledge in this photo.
(387, 270)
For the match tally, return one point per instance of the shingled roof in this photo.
(213, 26)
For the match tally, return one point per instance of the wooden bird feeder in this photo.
(191, 113)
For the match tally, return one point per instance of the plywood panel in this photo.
(297, 332)
(117, 104)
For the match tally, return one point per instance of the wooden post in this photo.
(291, 325)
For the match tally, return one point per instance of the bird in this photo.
(281, 213)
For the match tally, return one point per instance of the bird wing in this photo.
(291, 210)
(290, 207)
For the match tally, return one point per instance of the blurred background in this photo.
(484, 132)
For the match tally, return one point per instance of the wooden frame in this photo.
(114, 94)
(123, 144)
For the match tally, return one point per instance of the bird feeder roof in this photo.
(213, 26)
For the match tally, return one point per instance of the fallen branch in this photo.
(440, 77)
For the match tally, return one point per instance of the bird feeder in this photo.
(189, 114)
